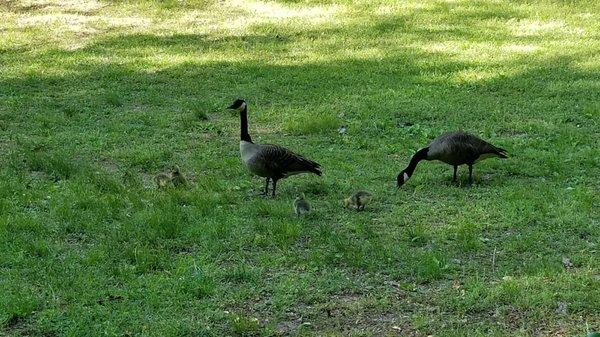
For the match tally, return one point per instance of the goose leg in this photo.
(274, 186)
(454, 177)
(470, 174)
(267, 186)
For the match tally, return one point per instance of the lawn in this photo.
(96, 97)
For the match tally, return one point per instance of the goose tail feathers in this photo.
(316, 169)
(310, 166)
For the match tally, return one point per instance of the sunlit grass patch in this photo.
(430, 266)
(242, 325)
(306, 123)
(147, 259)
(18, 304)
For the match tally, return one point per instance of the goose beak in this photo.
(399, 181)
(231, 107)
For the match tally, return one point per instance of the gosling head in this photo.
(175, 169)
(238, 104)
(402, 178)
(301, 206)
(300, 197)
(347, 202)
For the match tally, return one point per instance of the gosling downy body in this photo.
(270, 161)
(177, 178)
(358, 200)
(162, 180)
(301, 206)
(455, 148)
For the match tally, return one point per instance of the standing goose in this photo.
(455, 148)
(267, 160)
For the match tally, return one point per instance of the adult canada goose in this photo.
(273, 162)
(454, 148)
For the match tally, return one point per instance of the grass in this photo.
(98, 96)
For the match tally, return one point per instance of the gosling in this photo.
(177, 178)
(162, 180)
(301, 206)
(358, 200)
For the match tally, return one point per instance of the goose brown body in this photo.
(162, 180)
(270, 161)
(455, 148)
(274, 161)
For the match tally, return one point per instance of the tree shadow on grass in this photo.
(101, 104)
(114, 91)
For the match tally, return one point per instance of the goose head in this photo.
(402, 178)
(238, 104)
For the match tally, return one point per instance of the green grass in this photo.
(98, 96)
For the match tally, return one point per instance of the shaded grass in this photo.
(97, 101)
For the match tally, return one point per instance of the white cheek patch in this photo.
(405, 177)
(243, 106)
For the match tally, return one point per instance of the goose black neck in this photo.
(244, 135)
(420, 155)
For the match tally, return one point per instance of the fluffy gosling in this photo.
(162, 180)
(358, 200)
(301, 206)
(177, 178)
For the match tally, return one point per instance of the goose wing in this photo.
(468, 143)
(283, 162)
(482, 147)
(458, 148)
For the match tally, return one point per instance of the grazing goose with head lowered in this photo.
(273, 162)
(455, 148)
